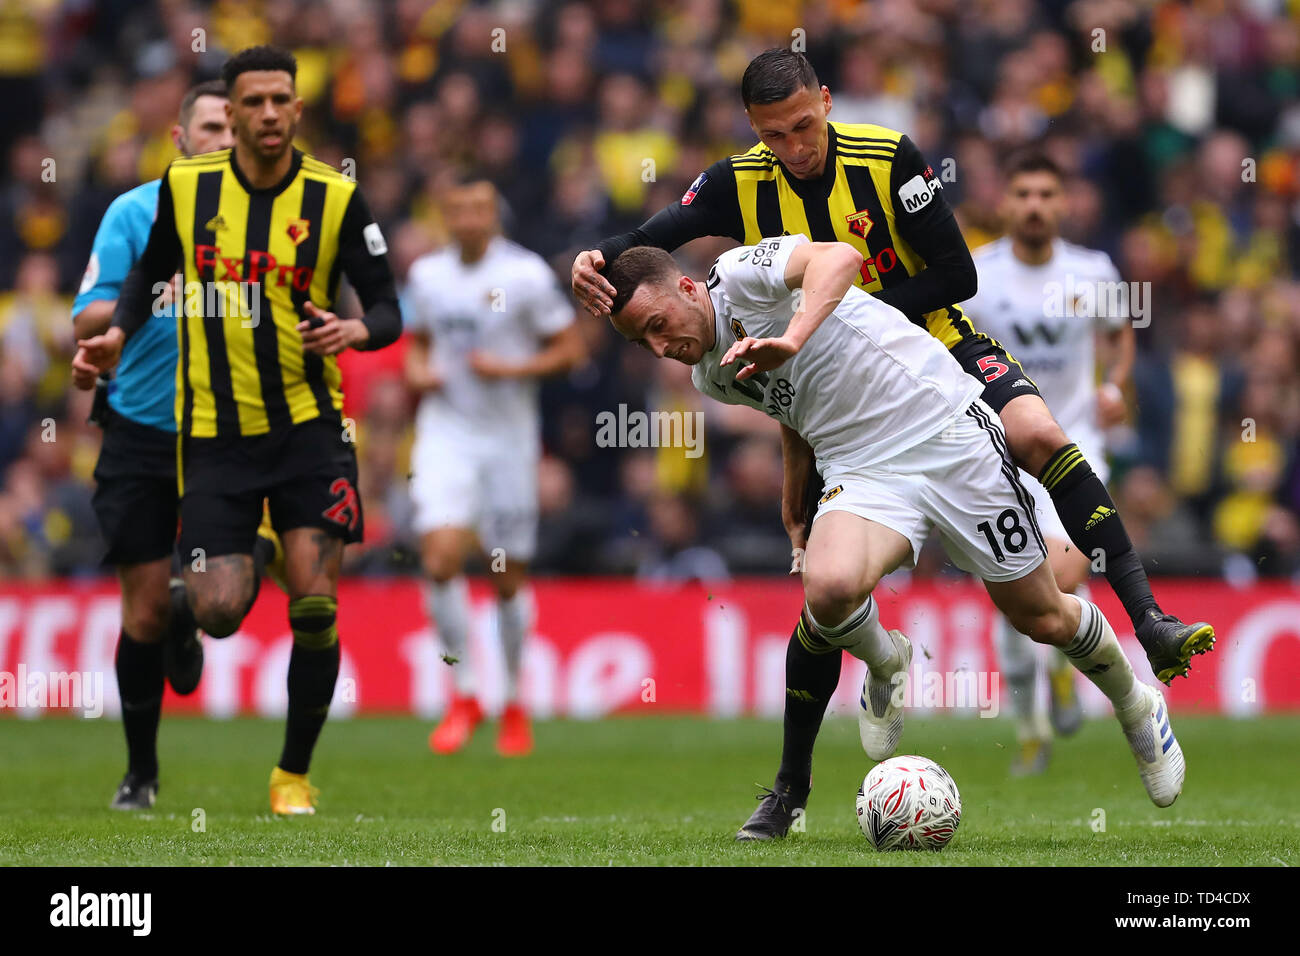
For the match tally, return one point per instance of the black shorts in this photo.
(135, 491)
(988, 361)
(307, 472)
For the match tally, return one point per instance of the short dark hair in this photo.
(259, 58)
(636, 267)
(471, 176)
(206, 88)
(1031, 160)
(776, 74)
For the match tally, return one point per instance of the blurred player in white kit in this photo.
(1050, 303)
(487, 320)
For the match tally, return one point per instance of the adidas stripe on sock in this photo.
(1095, 651)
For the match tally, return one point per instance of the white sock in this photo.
(1095, 651)
(1018, 657)
(514, 620)
(448, 605)
(862, 636)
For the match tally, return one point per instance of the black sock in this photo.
(1093, 524)
(140, 685)
(312, 675)
(812, 672)
(313, 671)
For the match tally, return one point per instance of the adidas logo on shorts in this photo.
(1022, 383)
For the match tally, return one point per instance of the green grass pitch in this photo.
(632, 791)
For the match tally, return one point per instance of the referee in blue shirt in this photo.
(135, 496)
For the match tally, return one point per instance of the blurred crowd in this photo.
(1178, 122)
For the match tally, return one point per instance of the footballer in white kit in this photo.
(887, 412)
(1015, 305)
(1049, 302)
(903, 442)
(488, 320)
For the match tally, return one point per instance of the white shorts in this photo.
(961, 481)
(487, 486)
(1049, 522)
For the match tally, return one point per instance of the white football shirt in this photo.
(507, 303)
(866, 386)
(1046, 316)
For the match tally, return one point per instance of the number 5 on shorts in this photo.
(993, 370)
(1014, 536)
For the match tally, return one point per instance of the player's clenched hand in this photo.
(589, 286)
(324, 333)
(101, 352)
(1111, 409)
(763, 355)
(487, 365)
(84, 375)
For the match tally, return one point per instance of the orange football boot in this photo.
(457, 726)
(515, 738)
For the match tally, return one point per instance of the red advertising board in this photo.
(606, 645)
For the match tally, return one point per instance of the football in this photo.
(908, 803)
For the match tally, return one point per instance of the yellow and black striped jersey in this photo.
(251, 258)
(876, 193)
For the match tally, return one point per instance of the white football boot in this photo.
(880, 708)
(1159, 757)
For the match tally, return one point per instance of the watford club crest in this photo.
(298, 230)
(859, 223)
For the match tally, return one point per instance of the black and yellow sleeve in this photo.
(363, 258)
(158, 262)
(924, 220)
(709, 207)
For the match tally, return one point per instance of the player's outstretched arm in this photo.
(710, 207)
(824, 271)
(93, 321)
(140, 295)
(797, 466)
(114, 251)
(1117, 351)
(560, 352)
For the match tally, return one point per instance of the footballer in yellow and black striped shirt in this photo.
(869, 187)
(262, 234)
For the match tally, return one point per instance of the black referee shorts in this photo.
(988, 361)
(307, 473)
(135, 491)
